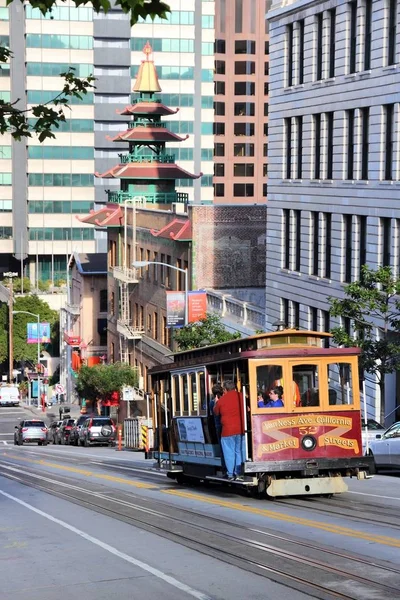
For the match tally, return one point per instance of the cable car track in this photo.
(277, 563)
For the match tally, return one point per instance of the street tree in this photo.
(372, 306)
(100, 381)
(22, 350)
(42, 120)
(204, 332)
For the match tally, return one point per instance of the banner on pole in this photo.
(175, 309)
(197, 306)
(38, 330)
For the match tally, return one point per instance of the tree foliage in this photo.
(205, 332)
(42, 119)
(22, 350)
(99, 381)
(372, 305)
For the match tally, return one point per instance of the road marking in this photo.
(379, 539)
(373, 495)
(129, 468)
(133, 561)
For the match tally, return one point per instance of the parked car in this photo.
(385, 448)
(53, 431)
(9, 395)
(373, 428)
(64, 430)
(33, 431)
(74, 433)
(97, 430)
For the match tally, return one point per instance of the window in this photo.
(329, 153)
(348, 247)
(60, 179)
(245, 47)
(219, 169)
(353, 36)
(243, 170)
(340, 384)
(362, 241)
(306, 379)
(386, 228)
(350, 143)
(61, 13)
(332, 41)
(266, 89)
(243, 150)
(219, 46)
(207, 21)
(266, 109)
(73, 42)
(392, 26)
(299, 166)
(301, 50)
(219, 190)
(326, 325)
(265, 128)
(47, 97)
(207, 49)
(243, 190)
(60, 233)
(286, 240)
(219, 108)
(219, 88)
(220, 67)
(315, 245)
(266, 68)
(268, 377)
(266, 47)
(163, 44)
(44, 69)
(285, 311)
(288, 153)
(245, 88)
(313, 318)
(389, 142)
(265, 169)
(367, 34)
(317, 146)
(243, 129)
(265, 189)
(60, 152)
(289, 55)
(222, 15)
(5, 179)
(319, 54)
(238, 16)
(245, 67)
(364, 142)
(296, 314)
(242, 109)
(219, 128)
(327, 245)
(265, 149)
(297, 240)
(219, 149)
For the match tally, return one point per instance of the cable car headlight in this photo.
(308, 443)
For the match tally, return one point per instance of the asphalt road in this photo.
(98, 523)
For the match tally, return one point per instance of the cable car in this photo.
(307, 445)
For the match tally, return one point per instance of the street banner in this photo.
(175, 309)
(33, 332)
(197, 305)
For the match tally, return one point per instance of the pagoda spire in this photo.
(147, 78)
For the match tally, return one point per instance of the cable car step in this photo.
(247, 481)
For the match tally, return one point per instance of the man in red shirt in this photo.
(230, 408)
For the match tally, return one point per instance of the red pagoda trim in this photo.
(147, 134)
(175, 230)
(151, 170)
(111, 215)
(148, 108)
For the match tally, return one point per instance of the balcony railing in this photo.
(236, 311)
(129, 331)
(155, 198)
(156, 158)
(134, 124)
(125, 275)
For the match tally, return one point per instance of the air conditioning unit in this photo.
(178, 208)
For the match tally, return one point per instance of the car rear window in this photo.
(70, 421)
(100, 422)
(34, 424)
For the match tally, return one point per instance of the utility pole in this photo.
(10, 276)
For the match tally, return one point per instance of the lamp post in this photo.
(25, 312)
(145, 263)
(10, 276)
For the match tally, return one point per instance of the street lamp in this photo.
(145, 263)
(10, 276)
(25, 312)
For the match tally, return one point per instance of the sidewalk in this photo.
(52, 412)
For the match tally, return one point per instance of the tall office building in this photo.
(43, 187)
(334, 179)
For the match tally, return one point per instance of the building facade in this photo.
(334, 161)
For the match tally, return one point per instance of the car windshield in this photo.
(372, 424)
(99, 422)
(34, 424)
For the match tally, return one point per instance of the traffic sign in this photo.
(60, 389)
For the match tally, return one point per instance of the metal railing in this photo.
(244, 313)
(155, 198)
(156, 158)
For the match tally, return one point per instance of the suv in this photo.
(31, 431)
(74, 433)
(64, 431)
(97, 430)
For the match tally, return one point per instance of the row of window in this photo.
(242, 67)
(239, 170)
(60, 13)
(242, 88)
(206, 181)
(47, 96)
(240, 190)
(163, 45)
(46, 69)
(318, 320)
(61, 179)
(60, 233)
(59, 207)
(59, 152)
(359, 41)
(239, 129)
(45, 40)
(181, 127)
(240, 109)
(323, 150)
(183, 100)
(72, 125)
(182, 17)
(169, 72)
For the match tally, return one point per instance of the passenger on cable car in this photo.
(276, 397)
(295, 391)
(261, 399)
(230, 408)
(217, 392)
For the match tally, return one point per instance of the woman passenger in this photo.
(275, 397)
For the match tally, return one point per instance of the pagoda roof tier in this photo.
(108, 216)
(150, 170)
(176, 230)
(148, 108)
(147, 135)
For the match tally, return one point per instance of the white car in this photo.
(9, 395)
(385, 448)
(370, 434)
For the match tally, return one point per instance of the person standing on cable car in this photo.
(230, 409)
(217, 392)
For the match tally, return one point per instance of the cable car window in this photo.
(177, 394)
(193, 390)
(340, 384)
(269, 377)
(305, 385)
(185, 395)
(203, 397)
